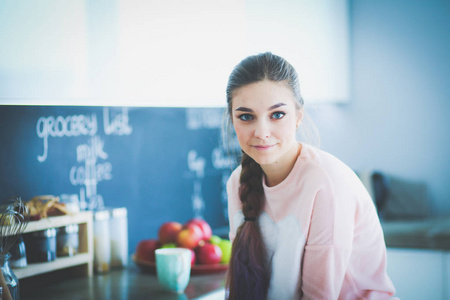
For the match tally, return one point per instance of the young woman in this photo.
(302, 224)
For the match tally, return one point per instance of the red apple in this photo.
(145, 249)
(168, 232)
(204, 226)
(195, 227)
(189, 237)
(208, 253)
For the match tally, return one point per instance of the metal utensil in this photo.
(12, 225)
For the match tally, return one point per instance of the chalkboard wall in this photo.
(162, 164)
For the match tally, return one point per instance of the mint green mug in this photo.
(173, 268)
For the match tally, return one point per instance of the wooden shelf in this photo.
(54, 222)
(34, 269)
(85, 254)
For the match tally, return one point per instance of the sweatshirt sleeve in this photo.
(328, 245)
(343, 234)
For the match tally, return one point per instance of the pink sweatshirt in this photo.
(321, 230)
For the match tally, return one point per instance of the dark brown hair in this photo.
(249, 269)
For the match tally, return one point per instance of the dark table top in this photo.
(129, 283)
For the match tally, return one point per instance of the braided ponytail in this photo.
(249, 273)
(249, 269)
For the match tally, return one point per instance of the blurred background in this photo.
(374, 77)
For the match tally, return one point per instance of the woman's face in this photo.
(265, 118)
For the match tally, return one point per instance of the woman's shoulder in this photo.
(340, 179)
(317, 155)
(236, 173)
(321, 161)
(325, 169)
(233, 180)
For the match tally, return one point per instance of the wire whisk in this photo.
(12, 222)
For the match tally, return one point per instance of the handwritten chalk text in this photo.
(116, 124)
(60, 126)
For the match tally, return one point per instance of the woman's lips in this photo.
(262, 147)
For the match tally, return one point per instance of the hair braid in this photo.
(249, 272)
(251, 189)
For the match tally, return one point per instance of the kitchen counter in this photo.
(132, 283)
(431, 233)
(126, 284)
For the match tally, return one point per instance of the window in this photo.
(164, 53)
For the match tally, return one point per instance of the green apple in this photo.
(225, 246)
(215, 240)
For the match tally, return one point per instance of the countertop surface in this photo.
(431, 233)
(129, 283)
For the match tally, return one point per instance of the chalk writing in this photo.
(198, 204)
(116, 123)
(94, 166)
(95, 149)
(60, 126)
(81, 174)
(197, 118)
(220, 160)
(212, 118)
(196, 164)
(92, 172)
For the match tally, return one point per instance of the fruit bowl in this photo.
(150, 267)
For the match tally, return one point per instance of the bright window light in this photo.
(164, 53)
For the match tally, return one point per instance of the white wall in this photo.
(398, 118)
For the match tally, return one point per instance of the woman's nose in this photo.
(262, 130)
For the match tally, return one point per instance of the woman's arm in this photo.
(327, 252)
(345, 255)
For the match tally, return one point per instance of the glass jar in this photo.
(67, 240)
(71, 202)
(102, 241)
(41, 245)
(8, 279)
(18, 254)
(119, 240)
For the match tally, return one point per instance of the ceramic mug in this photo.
(173, 268)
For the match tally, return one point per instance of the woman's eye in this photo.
(245, 117)
(278, 115)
